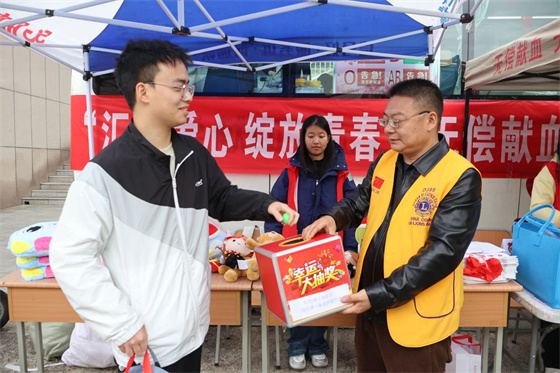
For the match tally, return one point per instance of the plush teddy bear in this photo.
(236, 253)
(261, 240)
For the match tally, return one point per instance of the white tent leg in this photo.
(89, 107)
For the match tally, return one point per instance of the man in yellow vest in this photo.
(422, 202)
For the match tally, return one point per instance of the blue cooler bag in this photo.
(536, 243)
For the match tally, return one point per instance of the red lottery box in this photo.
(304, 279)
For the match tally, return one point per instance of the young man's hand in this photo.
(136, 345)
(278, 209)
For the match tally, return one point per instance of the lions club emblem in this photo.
(425, 204)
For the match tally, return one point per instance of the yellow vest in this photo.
(432, 315)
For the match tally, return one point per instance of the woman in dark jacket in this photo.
(315, 180)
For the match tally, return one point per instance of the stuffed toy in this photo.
(216, 238)
(32, 262)
(351, 258)
(31, 246)
(32, 241)
(38, 273)
(261, 240)
(236, 252)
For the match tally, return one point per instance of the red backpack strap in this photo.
(555, 172)
(293, 177)
(341, 178)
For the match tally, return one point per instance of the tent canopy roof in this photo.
(530, 63)
(231, 33)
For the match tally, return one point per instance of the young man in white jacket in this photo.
(142, 204)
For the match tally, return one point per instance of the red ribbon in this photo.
(487, 270)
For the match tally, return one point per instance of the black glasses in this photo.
(183, 88)
(395, 123)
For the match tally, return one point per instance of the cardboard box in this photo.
(304, 279)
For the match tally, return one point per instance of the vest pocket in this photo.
(438, 300)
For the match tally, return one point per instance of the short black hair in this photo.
(423, 91)
(139, 63)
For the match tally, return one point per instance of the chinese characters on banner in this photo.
(259, 135)
(24, 31)
(512, 138)
(528, 51)
(376, 76)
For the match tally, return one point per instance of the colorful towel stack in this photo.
(30, 245)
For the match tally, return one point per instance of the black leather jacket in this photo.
(452, 230)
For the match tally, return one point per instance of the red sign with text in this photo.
(260, 135)
(304, 279)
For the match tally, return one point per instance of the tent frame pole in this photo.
(41, 13)
(169, 14)
(89, 109)
(181, 11)
(252, 16)
(231, 41)
(394, 9)
(466, 154)
(223, 34)
(37, 48)
(475, 7)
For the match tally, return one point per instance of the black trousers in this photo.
(551, 349)
(377, 352)
(187, 364)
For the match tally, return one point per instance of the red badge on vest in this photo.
(377, 182)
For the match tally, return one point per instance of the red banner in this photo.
(259, 135)
(512, 139)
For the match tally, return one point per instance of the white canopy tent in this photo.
(87, 35)
(530, 63)
(232, 34)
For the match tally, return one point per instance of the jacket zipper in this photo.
(316, 200)
(182, 229)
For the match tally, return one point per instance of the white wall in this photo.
(503, 200)
(34, 121)
(258, 182)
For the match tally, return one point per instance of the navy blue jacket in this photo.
(315, 197)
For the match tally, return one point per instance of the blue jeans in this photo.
(310, 339)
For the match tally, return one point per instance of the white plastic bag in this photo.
(466, 355)
(88, 350)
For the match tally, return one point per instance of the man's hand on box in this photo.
(325, 224)
(360, 300)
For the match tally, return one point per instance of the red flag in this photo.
(377, 182)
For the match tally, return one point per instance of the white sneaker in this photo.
(297, 362)
(319, 361)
